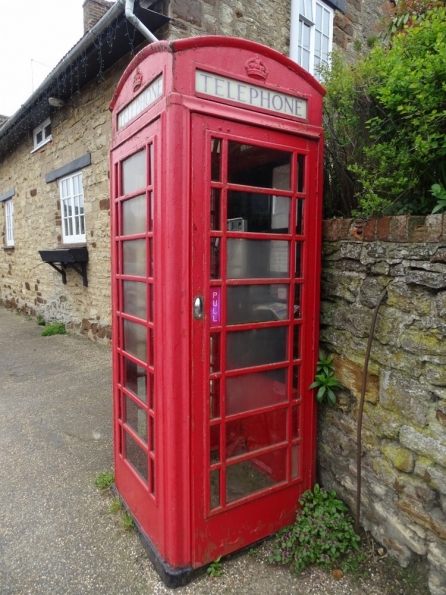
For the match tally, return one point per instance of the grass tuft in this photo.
(127, 522)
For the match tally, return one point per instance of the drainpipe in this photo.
(129, 4)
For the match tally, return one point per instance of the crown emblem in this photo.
(256, 69)
(137, 80)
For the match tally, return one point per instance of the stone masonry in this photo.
(28, 284)
(268, 22)
(404, 428)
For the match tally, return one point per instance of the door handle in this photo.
(198, 307)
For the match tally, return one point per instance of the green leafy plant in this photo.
(41, 321)
(104, 481)
(439, 191)
(385, 120)
(54, 328)
(325, 381)
(323, 534)
(406, 13)
(324, 365)
(215, 568)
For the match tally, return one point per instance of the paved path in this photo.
(57, 536)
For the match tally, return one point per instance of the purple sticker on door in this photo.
(215, 306)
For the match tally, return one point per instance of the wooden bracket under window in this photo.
(62, 258)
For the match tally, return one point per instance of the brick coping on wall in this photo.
(402, 228)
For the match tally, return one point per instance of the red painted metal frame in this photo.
(177, 521)
(130, 484)
(230, 527)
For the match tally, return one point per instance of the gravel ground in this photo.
(57, 534)
(250, 573)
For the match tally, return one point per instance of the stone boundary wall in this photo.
(404, 426)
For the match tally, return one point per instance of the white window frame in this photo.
(311, 38)
(9, 218)
(72, 208)
(45, 138)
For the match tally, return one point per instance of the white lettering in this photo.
(252, 95)
(143, 100)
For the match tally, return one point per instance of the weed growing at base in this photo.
(116, 505)
(215, 568)
(54, 328)
(325, 380)
(322, 534)
(127, 522)
(104, 481)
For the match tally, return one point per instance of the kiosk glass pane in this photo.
(135, 379)
(301, 173)
(135, 298)
(256, 347)
(300, 217)
(258, 213)
(135, 339)
(254, 391)
(250, 165)
(134, 215)
(136, 418)
(134, 172)
(215, 208)
(215, 258)
(134, 258)
(216, 144)
(257, 474)
(215, 488)
(137, 457)
(256, 259)
(256, 303)
(257, 431)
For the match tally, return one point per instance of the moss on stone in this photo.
(400, 457)
(385, 424)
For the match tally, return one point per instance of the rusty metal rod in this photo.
(361, 410)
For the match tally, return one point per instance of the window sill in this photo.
(67, 245)
(8, 247)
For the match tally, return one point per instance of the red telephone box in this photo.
(216, 177)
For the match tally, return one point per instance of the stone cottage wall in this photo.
(83, 126)
(268, 22)
(27, 284)
(404, 427)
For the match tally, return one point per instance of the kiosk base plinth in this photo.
(171, 577)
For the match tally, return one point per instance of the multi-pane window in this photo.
(72, 208)
(42, 134)
(311, 34)
(9, 216)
